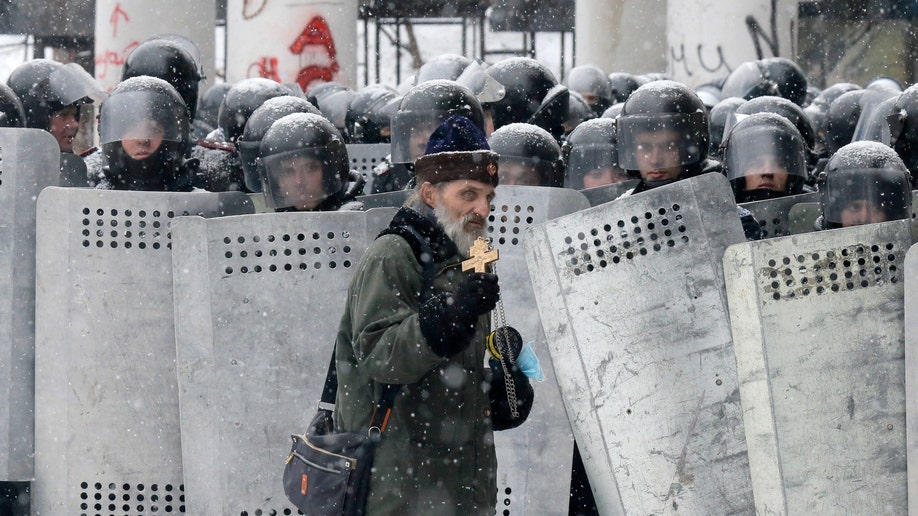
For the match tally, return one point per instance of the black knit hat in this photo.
(457, 149)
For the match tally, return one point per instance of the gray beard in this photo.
(455, 229)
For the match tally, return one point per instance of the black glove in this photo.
(448, 320)
(501, 413)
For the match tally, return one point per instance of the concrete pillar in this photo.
(622, 35)
(710, 38)
(121, 25)
(304, 42)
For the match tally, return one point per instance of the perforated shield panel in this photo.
(258, 300)
(534, 460)
(632, 299)
(364, 157)
(106, 411)
(818, 330)
(773, 215)
(28, 163)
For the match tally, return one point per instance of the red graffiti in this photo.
(316, 34)
(113, 58)
(113, 19)
(265, 67)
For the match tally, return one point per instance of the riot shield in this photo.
(106, 401)
(534, 459)
(773, 214)
(818, 332)
(632, 300)
(73, 171)
(257, 302)
(911, 373)
(28, 163)
(607, 193)
(385, 200)
(365, 156)
(802, 217)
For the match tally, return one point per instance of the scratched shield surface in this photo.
(818, 331)
(773, 215)
(301, 42)
(633, 304)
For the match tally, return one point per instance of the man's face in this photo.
(64, 127)
(142, 140)
(300, 182)
(604, 176)
(766, 172)
(861, 212)
(462, 208)
(420, 134)
(516, 173)
(658, 155)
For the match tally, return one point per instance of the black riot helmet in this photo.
(864, 182)
(623, 84)
(527, 155)
(819, 107)
(11, 112)
(45, 87)
(304, 163)
(143, 129)
(175, 59)
(249, 144)
(242, 99)
(334, 107)
(764, 157)
(369, 113)
(319, 90)
(841, 120)
(592, 84)
(718, 119)
(903, 127)
(658, 107)
(781, 106)
(531, 94)
(776, 76)
(422, 110)
(590, 155)
(209, 107)
(446, 66)
(578, 111)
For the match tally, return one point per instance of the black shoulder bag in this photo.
(328, 473)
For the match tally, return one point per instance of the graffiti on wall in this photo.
(112, 59)
(708, 59)
(313, 50)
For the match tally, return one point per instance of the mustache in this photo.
(473, 217)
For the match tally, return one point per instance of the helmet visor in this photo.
(136, 115)
(861, 196)
(70, 83)
(670, 139)
(410, 133)
(761, 153)
(299, 179)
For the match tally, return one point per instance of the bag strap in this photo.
(383, 408)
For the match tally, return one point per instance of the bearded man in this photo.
(415, 319)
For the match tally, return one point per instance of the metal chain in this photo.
(509, 383)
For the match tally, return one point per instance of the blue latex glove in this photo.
(529, 364)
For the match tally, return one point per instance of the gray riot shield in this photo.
(73, 171)
(773, 214)
(818, 333)
(911, 373)
(365, 156)
(385, 200)
(802, 217)
(258, 299)
(106, 399)
(534, 459)
(632, 300)
(607, 193)
(28, 163)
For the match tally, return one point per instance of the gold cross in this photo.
(480, 255)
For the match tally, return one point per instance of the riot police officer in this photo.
(304, 165)
(590, 155)
(528, 156)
